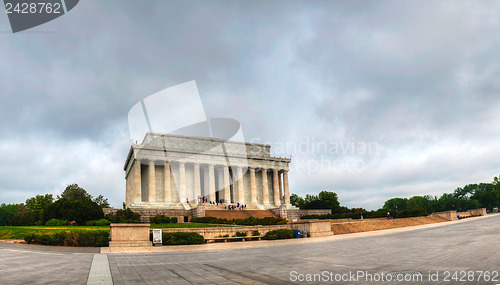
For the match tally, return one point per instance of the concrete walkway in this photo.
(428, 251)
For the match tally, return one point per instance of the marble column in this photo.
(280, 184)
(253, 187)
(276, 188)
(205, 182)
(182, 182)
(227, 189)
(152, 182)
(265, 189)
(166, 183)
(197, 184)
(220, 185)
(285, 187)
(241, 191)
(137, 197)
(211, 183)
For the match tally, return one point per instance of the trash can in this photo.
(297, 234)
(303, 234)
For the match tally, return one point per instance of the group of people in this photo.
(238, 206)
(205, 200)
(235, 207)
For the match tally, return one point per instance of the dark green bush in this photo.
(101, 222)
(173, 220)
(124, 216)
(279, 234)
(29, 238)
(56, 222)
(251, 221)
(240, 234)
(74, 238)
(181, 238)
(160, 219)
(255, 233)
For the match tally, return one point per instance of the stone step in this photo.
(238, 214)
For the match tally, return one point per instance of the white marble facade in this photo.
(174, 172)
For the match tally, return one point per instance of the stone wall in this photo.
(313, 228)
(129, 235)
(231, 231)
(453, 215)
(294, 214)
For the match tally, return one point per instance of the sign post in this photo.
(157, 237)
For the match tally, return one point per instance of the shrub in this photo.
(279, 234)
(182, 238)
(74, 238)
(160, 219)
(255, 233)
(173, 220)
(240, 234)
(124, 216)
(56, 222)
(72, 209)
(29, 238)
(101, 222)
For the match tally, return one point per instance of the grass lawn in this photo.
(11, 232)
(186, 225)
(19, 232)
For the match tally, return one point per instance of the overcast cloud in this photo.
(373, 99)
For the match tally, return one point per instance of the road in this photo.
(437, 252)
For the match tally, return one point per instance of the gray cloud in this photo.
(419, 80)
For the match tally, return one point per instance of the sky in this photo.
(372, 99)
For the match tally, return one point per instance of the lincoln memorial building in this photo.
(169, 171)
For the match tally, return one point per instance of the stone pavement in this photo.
(464, 245)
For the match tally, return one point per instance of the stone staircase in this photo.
(238, 214)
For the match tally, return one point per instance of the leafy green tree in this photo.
(484, 193)
(297, 201)
(79, 211)
(395, 204)
(331, 199)
(38, 205)
(325, 200)
(103, 203)
(496, 182)
(8, 211)
(411, 204)
(75, 192)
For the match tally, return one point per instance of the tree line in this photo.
(74, 204)
(472, 196)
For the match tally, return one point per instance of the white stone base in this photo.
(157, 205)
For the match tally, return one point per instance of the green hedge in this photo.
(240, 234)
(73, 238)
(251, 221)
(160, 219)
(370, 215)
(279, 234)
(56, 222)
(180, 238)
(101, 222)
(124, 216)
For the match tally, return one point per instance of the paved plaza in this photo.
(469, 246)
